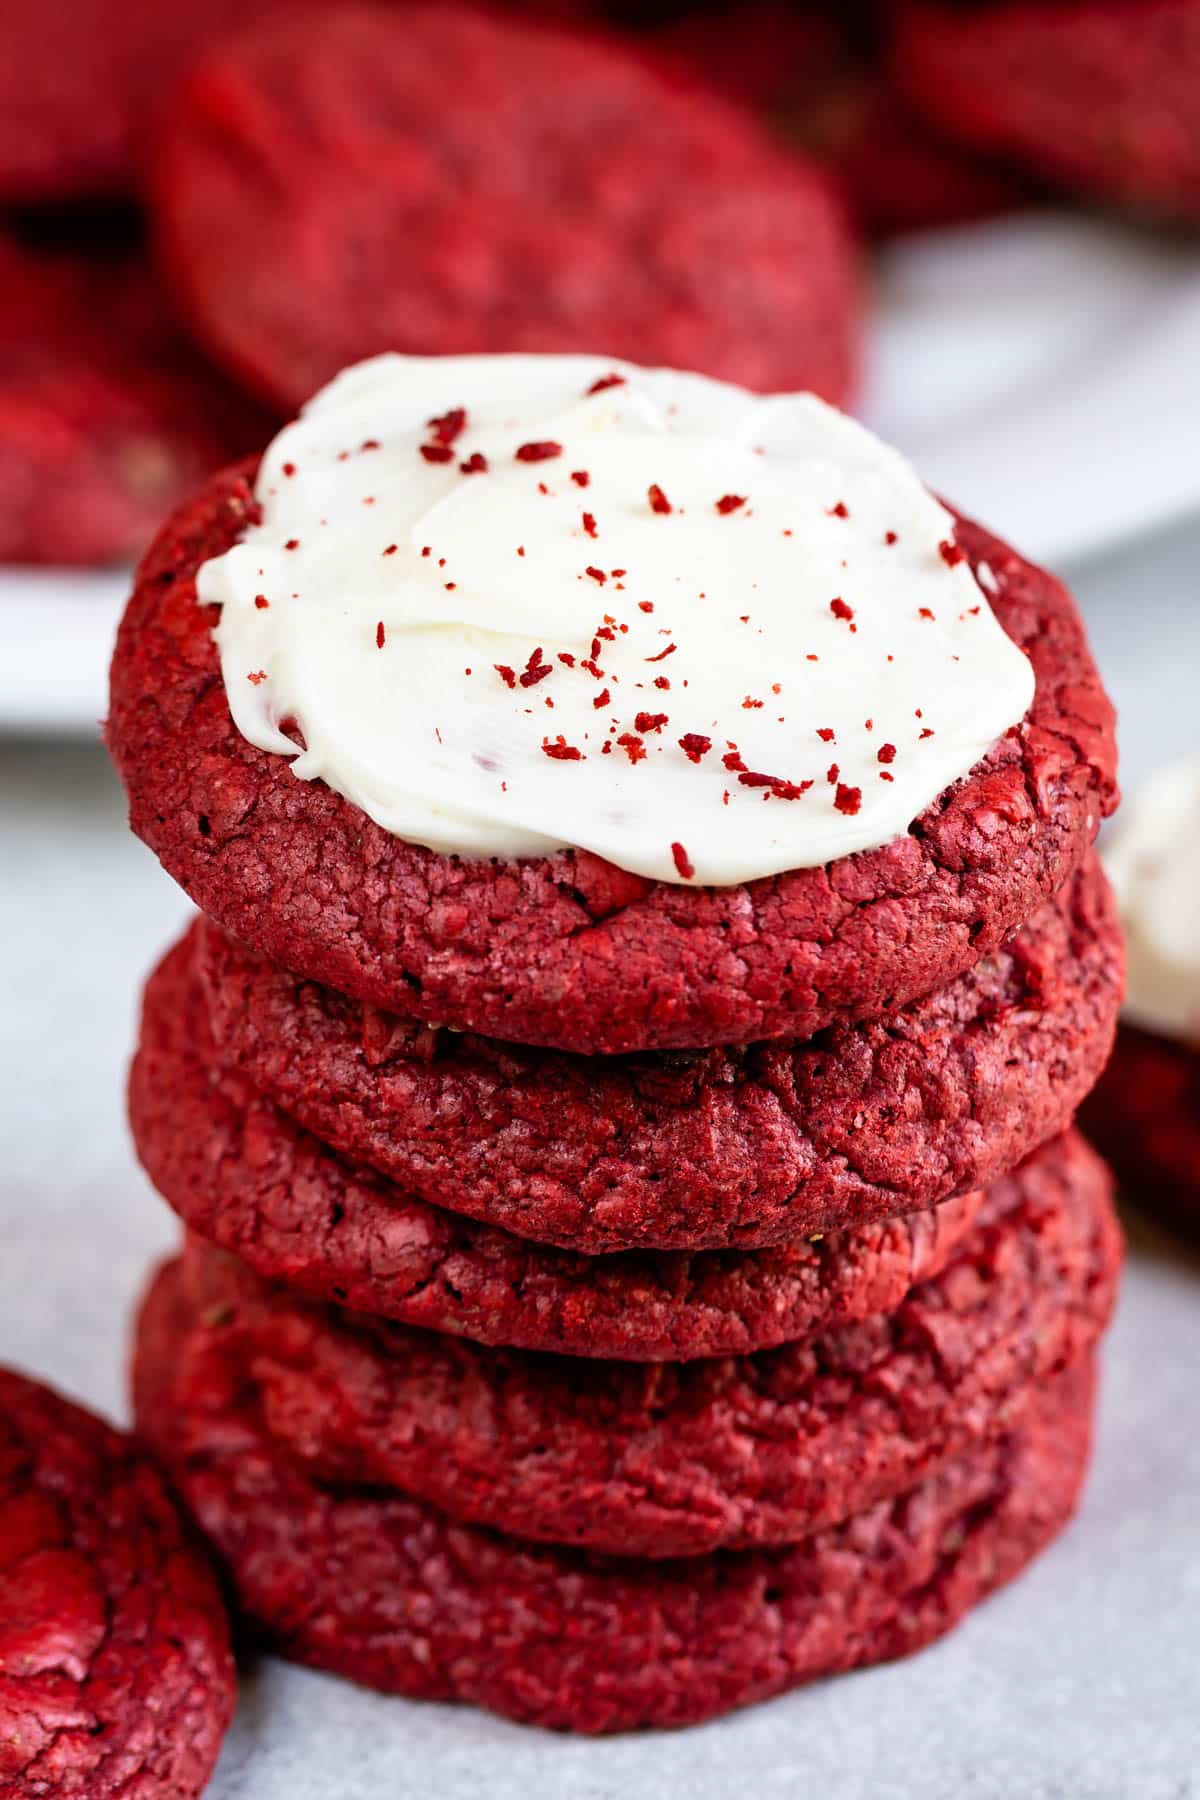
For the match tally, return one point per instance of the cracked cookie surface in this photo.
(116, 1678)
(674, 1460)
(568, 951)
(387, 1591)
(243, 1176)
(694, 1149)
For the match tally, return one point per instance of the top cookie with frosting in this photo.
(603, 707)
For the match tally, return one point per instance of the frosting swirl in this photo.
(510, 604)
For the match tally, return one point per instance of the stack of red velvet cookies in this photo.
(606, 1300)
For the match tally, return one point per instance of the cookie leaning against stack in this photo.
(622, 1281)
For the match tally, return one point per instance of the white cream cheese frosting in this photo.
(515, 603)
(1153, 860)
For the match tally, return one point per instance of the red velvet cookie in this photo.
(701, 1149)
(567, 950)
(78, 80)
(241, 1175)
(657, 1461)
(806, 76)
(389, 1592)
(1102, 97)
(430, 179)
(1145, 1117)
(116, 1677)
(107, 415)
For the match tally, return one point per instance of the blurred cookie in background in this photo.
(1145, 1114)
(818, 76)
(1101, 99)
(108, 417)
(317, 200)
(77, 79)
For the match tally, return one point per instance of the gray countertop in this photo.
(1082, 1681)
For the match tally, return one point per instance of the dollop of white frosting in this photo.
(492, 631)
(1153, 860)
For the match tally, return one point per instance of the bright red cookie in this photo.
(646, 1460)
(698, 1150)
(79, 80)
(567, 950)
(1102, 97)
(389, 1592)
(116, 1678)
(108, 417)
(804, 74)
(431, 178)
(242, 1176)
(1145, 1118)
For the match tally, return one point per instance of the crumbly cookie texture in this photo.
(566, 950)
(694, 1149)
(389, 1592)
(245, 1178)
(116, 1676)
(642, 1460)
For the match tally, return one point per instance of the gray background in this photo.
(1083, 1681)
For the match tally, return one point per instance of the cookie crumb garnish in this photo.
(694, 745)
(951, 553)
(838, 511)
(589, 525)
(606, 381)
(683, 863)
(886, 753)
(559, 750)
(596, 574)
(445, 428)
(437, 453)
(380, 636)
(475, 464)
(729, 503)
(633, 746)
(292, 544)
(391, 550)
(848, 800)
(840, 610)
(535, 670)
(580, 477)
(658, 500)
(648, 721)
(662, 653)
(539, 451)
(508, 676)
(826, 733)
(261, 602)
(256, 676)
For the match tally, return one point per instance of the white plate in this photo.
(1043, 372)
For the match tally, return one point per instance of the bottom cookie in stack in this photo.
(389, 1591)
(830, 1503)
